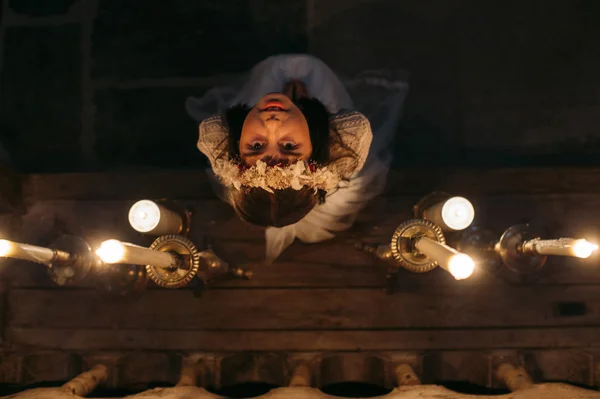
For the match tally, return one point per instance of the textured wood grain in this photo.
(330, 263)
(328, 340)
(451, 306)
(194, 184)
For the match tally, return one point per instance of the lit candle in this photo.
(459, 265)
(149, 217)
(31, 253)
(114, 251)
(579, 248)
(456, 213)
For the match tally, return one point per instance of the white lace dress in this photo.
(378, 94)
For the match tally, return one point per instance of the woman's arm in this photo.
(355, 132)
(212, 139)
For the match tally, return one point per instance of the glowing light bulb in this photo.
(111, 251)
(461, 266)
(5, 247)
(144, 216)
(458, 213)
(583, 248)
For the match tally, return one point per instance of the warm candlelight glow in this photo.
(461, 266)
(111, 251)
(147, 216)
(5, 247)
(579, 248)
(458, 213)
(583, 248)
(114, 251)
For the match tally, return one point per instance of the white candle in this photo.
(31, 253)
(579, 248)
(114, 251)
(456, 213)
(149, 217)
(460, 265)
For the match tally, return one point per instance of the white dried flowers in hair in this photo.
(269, 178)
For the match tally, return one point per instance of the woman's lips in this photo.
(273, 104)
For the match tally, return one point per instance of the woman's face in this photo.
(275, 131)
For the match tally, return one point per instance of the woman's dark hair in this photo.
(287, 206)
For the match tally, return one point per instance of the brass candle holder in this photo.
(121, 280)
(171, 261)
(520, 248)
(419, 246)
(69, 259)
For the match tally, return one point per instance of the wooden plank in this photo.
(194, 184)
(407, 340)
(279, 275)
(118, 185)
(243, 245)
(97, 220)
(452, 306)
(18, 274)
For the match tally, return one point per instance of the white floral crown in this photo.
(269, 178)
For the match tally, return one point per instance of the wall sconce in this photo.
(419, 246)
(171, 261)
(121, 280)
(521, 249)
(154, 218)
(69, 259)
(449, 213)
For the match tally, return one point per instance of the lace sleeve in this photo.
(355, 134)
(212, 140)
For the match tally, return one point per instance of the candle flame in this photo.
(111, 251)
(144, 216)
(461, 266)
(583, 248)
(5, 247)
(458, 213)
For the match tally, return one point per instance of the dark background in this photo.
(101, 84)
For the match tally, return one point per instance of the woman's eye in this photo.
(256, 145)
(289, 146)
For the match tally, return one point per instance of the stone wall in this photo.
(100, 84)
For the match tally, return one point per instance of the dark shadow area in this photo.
(355, 390)
(244, 390)
(470, 388)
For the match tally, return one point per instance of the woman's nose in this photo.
(272, 124)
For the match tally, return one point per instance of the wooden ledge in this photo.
(194, 184)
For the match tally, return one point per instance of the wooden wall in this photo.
(318, 298)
